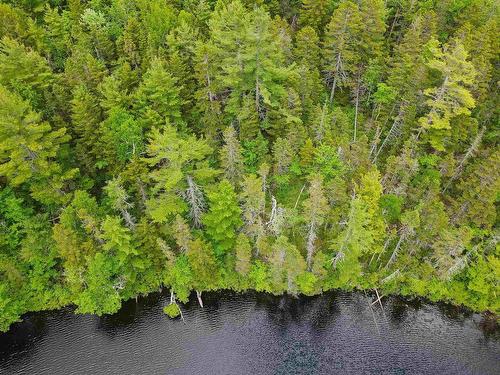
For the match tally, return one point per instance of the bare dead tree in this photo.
(405, 232)
(194, 197)
(394, 131)
(470, 153)
(392, 276)
(276, 218)
(340, 256)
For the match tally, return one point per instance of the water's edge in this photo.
(252, 332)
(492, 318)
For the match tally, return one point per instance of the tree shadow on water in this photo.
(131, 314)
(23, 336)
(490, 326)
(326, 309)
(317, 311)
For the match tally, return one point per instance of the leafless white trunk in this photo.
(276, 218)
(200, 301)
(406, 231)
(194, 196)
(470, 152)
(339, 257)
(394, 131)
(128, 218)
(356, 113)
(311, 237)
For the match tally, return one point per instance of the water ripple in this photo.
(336, 333)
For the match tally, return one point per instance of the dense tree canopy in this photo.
(282, 146)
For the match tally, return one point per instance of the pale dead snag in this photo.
(470, 153)
(198, 295)
(194, 197)
(394, 131)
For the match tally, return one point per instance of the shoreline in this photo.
(415, 301)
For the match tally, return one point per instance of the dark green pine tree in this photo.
(223, 218)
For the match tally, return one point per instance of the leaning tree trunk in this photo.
(356, 113)
(198, 295)
(310, 244)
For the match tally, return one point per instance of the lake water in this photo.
(252, 333)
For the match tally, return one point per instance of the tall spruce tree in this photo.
(451, 97)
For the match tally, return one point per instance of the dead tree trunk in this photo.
(311, 237)
(470, 152)
(198, 295)
(356, 113)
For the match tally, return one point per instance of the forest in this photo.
(283, 146)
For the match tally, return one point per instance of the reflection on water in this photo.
(256, 333)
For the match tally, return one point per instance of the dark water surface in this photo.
(336, 333)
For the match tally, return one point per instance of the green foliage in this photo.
(451, 98)
(180, 278)
(254, 152)
(28, 149)
(172, 310)
(157, 98)
(364, 232)
(100, 296)
(243, 254)
(341, 50)
(86, 116)
(202, 261)
(223, 218)
(253, 69)
(391, 206)
(315, 13)
(121, 138)
(230, 156)
(25, 72)
(327, 162)
(306, 283)
(259, 277)
(287, 147)
(176, 160)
